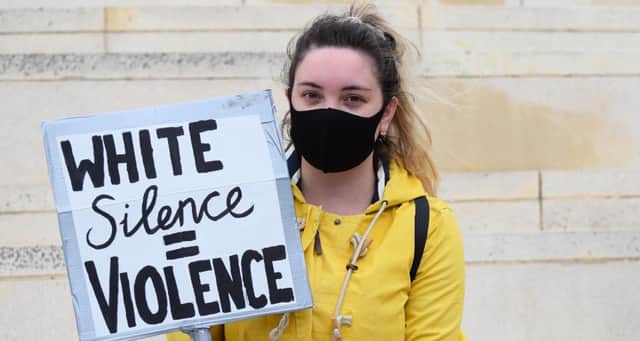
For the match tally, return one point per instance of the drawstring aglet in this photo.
(300, 222)
(355, 241)
(317, 244)
(338, 321)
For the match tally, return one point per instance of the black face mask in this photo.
(333, 140)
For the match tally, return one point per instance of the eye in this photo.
(354, 99)
(310, 95)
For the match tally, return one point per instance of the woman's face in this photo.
(339, 78)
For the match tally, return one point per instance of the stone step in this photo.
(456, 40)
(111, 66)
(183, 18)
(477, 124)
(455, 187)
(404, 15)
(514, 53)
(483, 206)
(600, 297)
(550, 246)
(89, 62)
(37, 4)
(223, 65)
(450, 54)
(580, 3)
(43, 302)
(480, 248)
(535, 18)
(595, 183)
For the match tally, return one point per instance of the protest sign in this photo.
(175, 217)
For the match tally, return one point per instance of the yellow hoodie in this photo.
(381, 301)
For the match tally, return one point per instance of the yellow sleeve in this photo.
(217, 334)
(436, 298)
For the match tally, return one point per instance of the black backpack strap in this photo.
(421, 232)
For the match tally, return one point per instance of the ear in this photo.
(387, 116)
(287, 93)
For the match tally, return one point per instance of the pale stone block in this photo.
(52, 43)
(45, 303)
(533, 123)
(213, 41)
(51, 20)
(36, 310)
(45, 260)
(591, 214)
(26, 104)
(495, 3)
(497, 123)
(590, 183)
(489, 186)
(21, 4)
(224, 65)
(539, 19)
(184, 42)
(579, 3)
(249, 17)
(497, 216)
(551, 246)
(552, 302)
(531, 41)
(550, 62)
(21, 198)
(343, 3)
(529, 53)
(28, 229)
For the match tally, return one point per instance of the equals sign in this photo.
(183, 252)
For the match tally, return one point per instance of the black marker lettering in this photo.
(94, 168)
(171, 134)
(165, 216)
(229, 285)
(233, 198)
(112, 223)
(247, 257)
(195, 128)
(128, 303)
(128, 158)
(109, 309)
(204, 308)
(139, 289)
(276, 295)
(146, 149)
(179, 310)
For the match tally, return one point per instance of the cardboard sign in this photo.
(176, 217)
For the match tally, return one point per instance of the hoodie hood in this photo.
(393, 183)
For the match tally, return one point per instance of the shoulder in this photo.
(436, 297)
(441, 215)
(443, 230)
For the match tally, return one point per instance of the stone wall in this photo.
(533, 106)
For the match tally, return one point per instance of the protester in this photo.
(384, 256)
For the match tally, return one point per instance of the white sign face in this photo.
(176, 217)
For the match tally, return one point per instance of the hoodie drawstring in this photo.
(276, 332)
(361, 247)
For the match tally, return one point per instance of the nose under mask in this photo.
(333, 140)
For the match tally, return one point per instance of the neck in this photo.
(343, 193)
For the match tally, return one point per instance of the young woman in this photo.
(384, 256)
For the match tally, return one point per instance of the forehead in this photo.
(334, 66)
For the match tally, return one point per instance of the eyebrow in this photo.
(350, 87)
